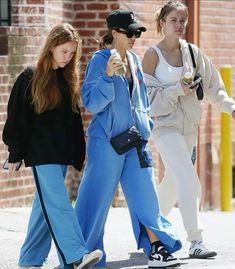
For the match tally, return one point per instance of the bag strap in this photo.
(192, 55)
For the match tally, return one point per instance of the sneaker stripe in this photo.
(156, 257)
(198, 251)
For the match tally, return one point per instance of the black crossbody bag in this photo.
(127, 140)
(199, 91)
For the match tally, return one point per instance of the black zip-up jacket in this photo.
(55, 136)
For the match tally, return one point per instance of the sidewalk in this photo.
(119, 240)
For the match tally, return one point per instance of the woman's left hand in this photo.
(187, 90)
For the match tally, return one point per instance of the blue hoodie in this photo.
(108, 98)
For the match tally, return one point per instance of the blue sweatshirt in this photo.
(108, 98)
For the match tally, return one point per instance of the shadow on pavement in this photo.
(136, 261)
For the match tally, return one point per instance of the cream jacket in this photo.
(170, 107)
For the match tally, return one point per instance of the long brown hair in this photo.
(45, 91)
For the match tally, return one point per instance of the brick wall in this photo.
(39, 13)
(31, 21)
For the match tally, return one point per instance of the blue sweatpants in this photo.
(104, 169)
(52, 217)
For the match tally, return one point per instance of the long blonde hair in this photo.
(45, 91)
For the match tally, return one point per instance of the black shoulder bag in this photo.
(199, 91)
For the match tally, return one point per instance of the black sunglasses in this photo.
(137, 33)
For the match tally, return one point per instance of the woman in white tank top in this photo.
(166, 72)
(176, 112)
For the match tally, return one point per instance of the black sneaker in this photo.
(89, 260)
(161, 258)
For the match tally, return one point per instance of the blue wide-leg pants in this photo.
(52, 217)
(104, 169)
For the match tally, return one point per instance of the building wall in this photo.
(31, 20)
(217, 40)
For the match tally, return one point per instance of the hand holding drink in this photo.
(121, 69)
(187, 78)
(186, 82)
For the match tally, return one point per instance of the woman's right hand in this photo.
(187, 90)
(114, 63)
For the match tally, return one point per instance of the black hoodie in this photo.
(53, 137)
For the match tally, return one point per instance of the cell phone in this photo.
(195, 83)
(6, 165)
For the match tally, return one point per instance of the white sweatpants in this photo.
(180, 183)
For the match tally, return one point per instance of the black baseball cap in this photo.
(123, 19)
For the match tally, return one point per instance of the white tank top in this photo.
(166, 73)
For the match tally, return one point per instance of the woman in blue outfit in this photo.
(44, 128)
(114, 92)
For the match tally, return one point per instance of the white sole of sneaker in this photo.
(168, 266)
(164, 265)
(203, 256)
(91, 259)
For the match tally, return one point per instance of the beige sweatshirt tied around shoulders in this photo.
(170, 107)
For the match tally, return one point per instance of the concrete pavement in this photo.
(120, 245)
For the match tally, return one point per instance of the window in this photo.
(5, 12)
